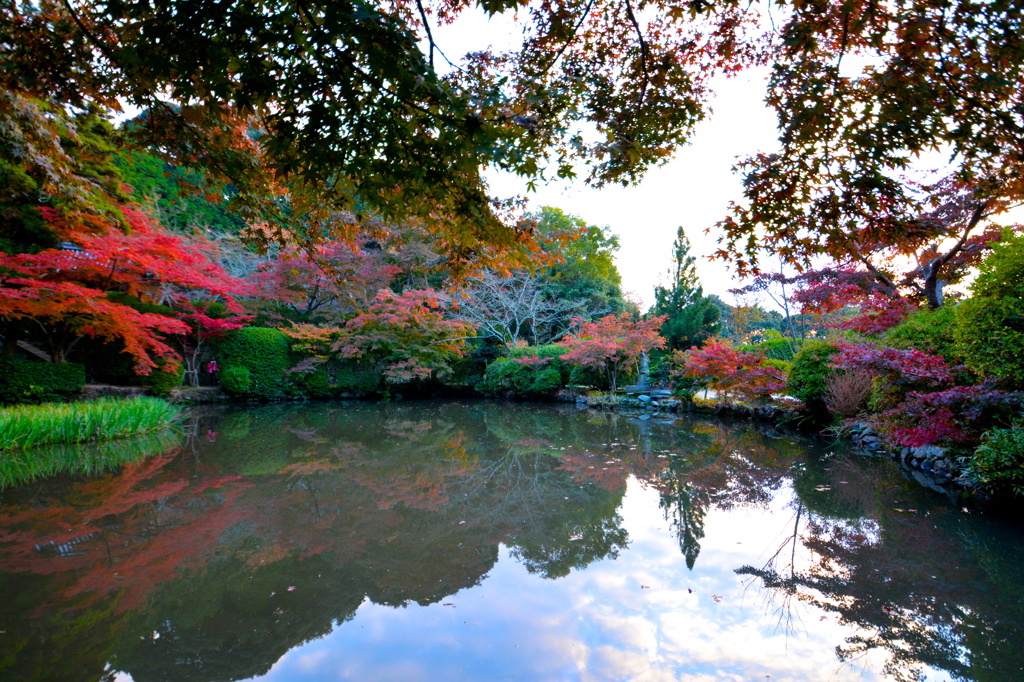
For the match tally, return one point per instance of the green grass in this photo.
(22, 466)
(31, 426)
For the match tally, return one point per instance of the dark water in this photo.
(485, 541)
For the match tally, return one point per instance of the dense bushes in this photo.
(531, 372)
(929, 331)
(28, 381)
(810, 372)
(264, 352)
(998, 463)
(990, 324)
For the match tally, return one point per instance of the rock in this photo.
(644, 398)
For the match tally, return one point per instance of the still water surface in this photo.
(489, 541)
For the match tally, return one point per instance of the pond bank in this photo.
(930, 466)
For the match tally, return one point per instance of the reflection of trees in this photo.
(909, 582)
(685, 507)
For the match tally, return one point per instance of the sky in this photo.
(692, 191)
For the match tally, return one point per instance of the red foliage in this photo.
(612, 343)
(723, 368)
(334, 275)
(904, 367)
(407, 337)
(957, 414)
(879, 307)
(66, 291)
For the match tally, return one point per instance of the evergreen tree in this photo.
(692, 316)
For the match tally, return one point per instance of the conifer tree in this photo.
(692, 317)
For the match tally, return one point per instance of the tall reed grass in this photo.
(22, 466)
(30, 426)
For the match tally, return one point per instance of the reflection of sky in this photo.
(599, 623)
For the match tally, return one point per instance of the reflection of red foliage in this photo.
(123, 533)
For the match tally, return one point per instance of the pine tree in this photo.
(692, 316)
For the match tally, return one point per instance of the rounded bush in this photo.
(546, 383)
(998, 463)
(810, 371)
(990, 324)
(261, 350)
(236, 380)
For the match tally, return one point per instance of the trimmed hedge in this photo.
(261, 350)
(29, 381)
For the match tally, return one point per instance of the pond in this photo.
(477, 541)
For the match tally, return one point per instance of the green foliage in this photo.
(29, 381)
(775, 346)
(782, 365)
(316, 384)
(356, 377)
(261, 350)
(236, 380)
(692, 316)
(26, 426)
(998, 463)
(929, 331)
(163, 380)
(810, 371)
(532, 381)
(180, 196)
(990, 324)
(588, 272)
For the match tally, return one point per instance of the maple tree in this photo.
(405, 337)
(723, 368)
(65, 292)
(332, 279)
(612, 343)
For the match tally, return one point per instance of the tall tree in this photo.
(691, 317)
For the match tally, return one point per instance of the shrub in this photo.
(353, 377)
(989, 331)
(316, 384)
(998, 463)
(929, 331)
(507, 377)
(236, 380)
(810, 371)
(546, 382)
(28, 381)
(846, 393)
(261, 350)
(530, 376)
(162, 380)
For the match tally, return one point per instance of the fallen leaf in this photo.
(292, 588)
(716, 598)
(645, 587)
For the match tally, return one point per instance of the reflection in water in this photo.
(282, 528)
